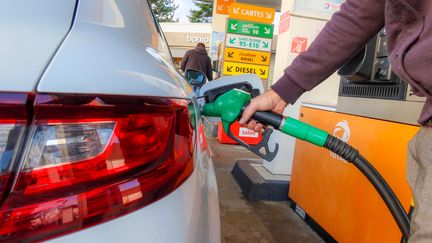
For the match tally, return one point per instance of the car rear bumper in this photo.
(189, 214)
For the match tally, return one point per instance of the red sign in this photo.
(299, 45)
(284, 22)
(223, 6)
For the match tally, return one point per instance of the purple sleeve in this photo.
(342, 37)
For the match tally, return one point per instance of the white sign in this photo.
(246, 133)
(317, 7)
(197, 39)
(248, 42)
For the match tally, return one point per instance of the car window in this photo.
(162, 43)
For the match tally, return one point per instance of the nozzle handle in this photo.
(291, 126)
(267, 117)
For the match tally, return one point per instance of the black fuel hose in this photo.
(393, 204)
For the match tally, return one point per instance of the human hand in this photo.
(269, 101)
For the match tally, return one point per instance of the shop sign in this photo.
(246, 42)
(197, 39)
(234, 68)
(252, 13)
(251, 29)
(223, 6)
(182, 39)
(247, 56)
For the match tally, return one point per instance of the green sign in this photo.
(248, 28)
(247, 42)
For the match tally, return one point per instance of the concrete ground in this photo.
(245, 221)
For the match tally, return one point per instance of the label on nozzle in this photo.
(244, 132)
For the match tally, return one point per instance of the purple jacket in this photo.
(409, 35)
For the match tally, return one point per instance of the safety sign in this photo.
(247, 56)
(223, 6)
(234, 68)
(284, 22)
(299, 44)
(248, 28)
(252, 13)
(246, 42)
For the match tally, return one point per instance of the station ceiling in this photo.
(265, 3)
(276, 4)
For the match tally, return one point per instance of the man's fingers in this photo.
(258, 127)
(247, 114)
(251, 124)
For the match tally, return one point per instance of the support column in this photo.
(297, 29)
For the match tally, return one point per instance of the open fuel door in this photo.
(250, 83)
(210, 91)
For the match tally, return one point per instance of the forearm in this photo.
(343, 36)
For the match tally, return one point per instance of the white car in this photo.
(100, 138)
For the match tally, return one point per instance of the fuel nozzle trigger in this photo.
(229, 107)
(257, 149)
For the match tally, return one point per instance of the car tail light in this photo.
(10, 132)
(13, 120)
(90, 159)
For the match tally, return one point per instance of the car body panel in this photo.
(31, 32)
(114, 47)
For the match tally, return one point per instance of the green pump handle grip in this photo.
(292, 127)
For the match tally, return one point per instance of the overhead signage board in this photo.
(317, 8)
(252, 29)
(247, 42)
(247, 56)
(252, 13)
(234, 68)
(223, 6)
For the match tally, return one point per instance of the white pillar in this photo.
(294, 25)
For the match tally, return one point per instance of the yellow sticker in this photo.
(235, 68)
(247, 56)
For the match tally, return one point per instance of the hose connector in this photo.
(341, 148)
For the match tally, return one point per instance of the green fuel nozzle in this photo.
(230, 106)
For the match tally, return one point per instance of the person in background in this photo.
(408, 25)
(197, 59)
